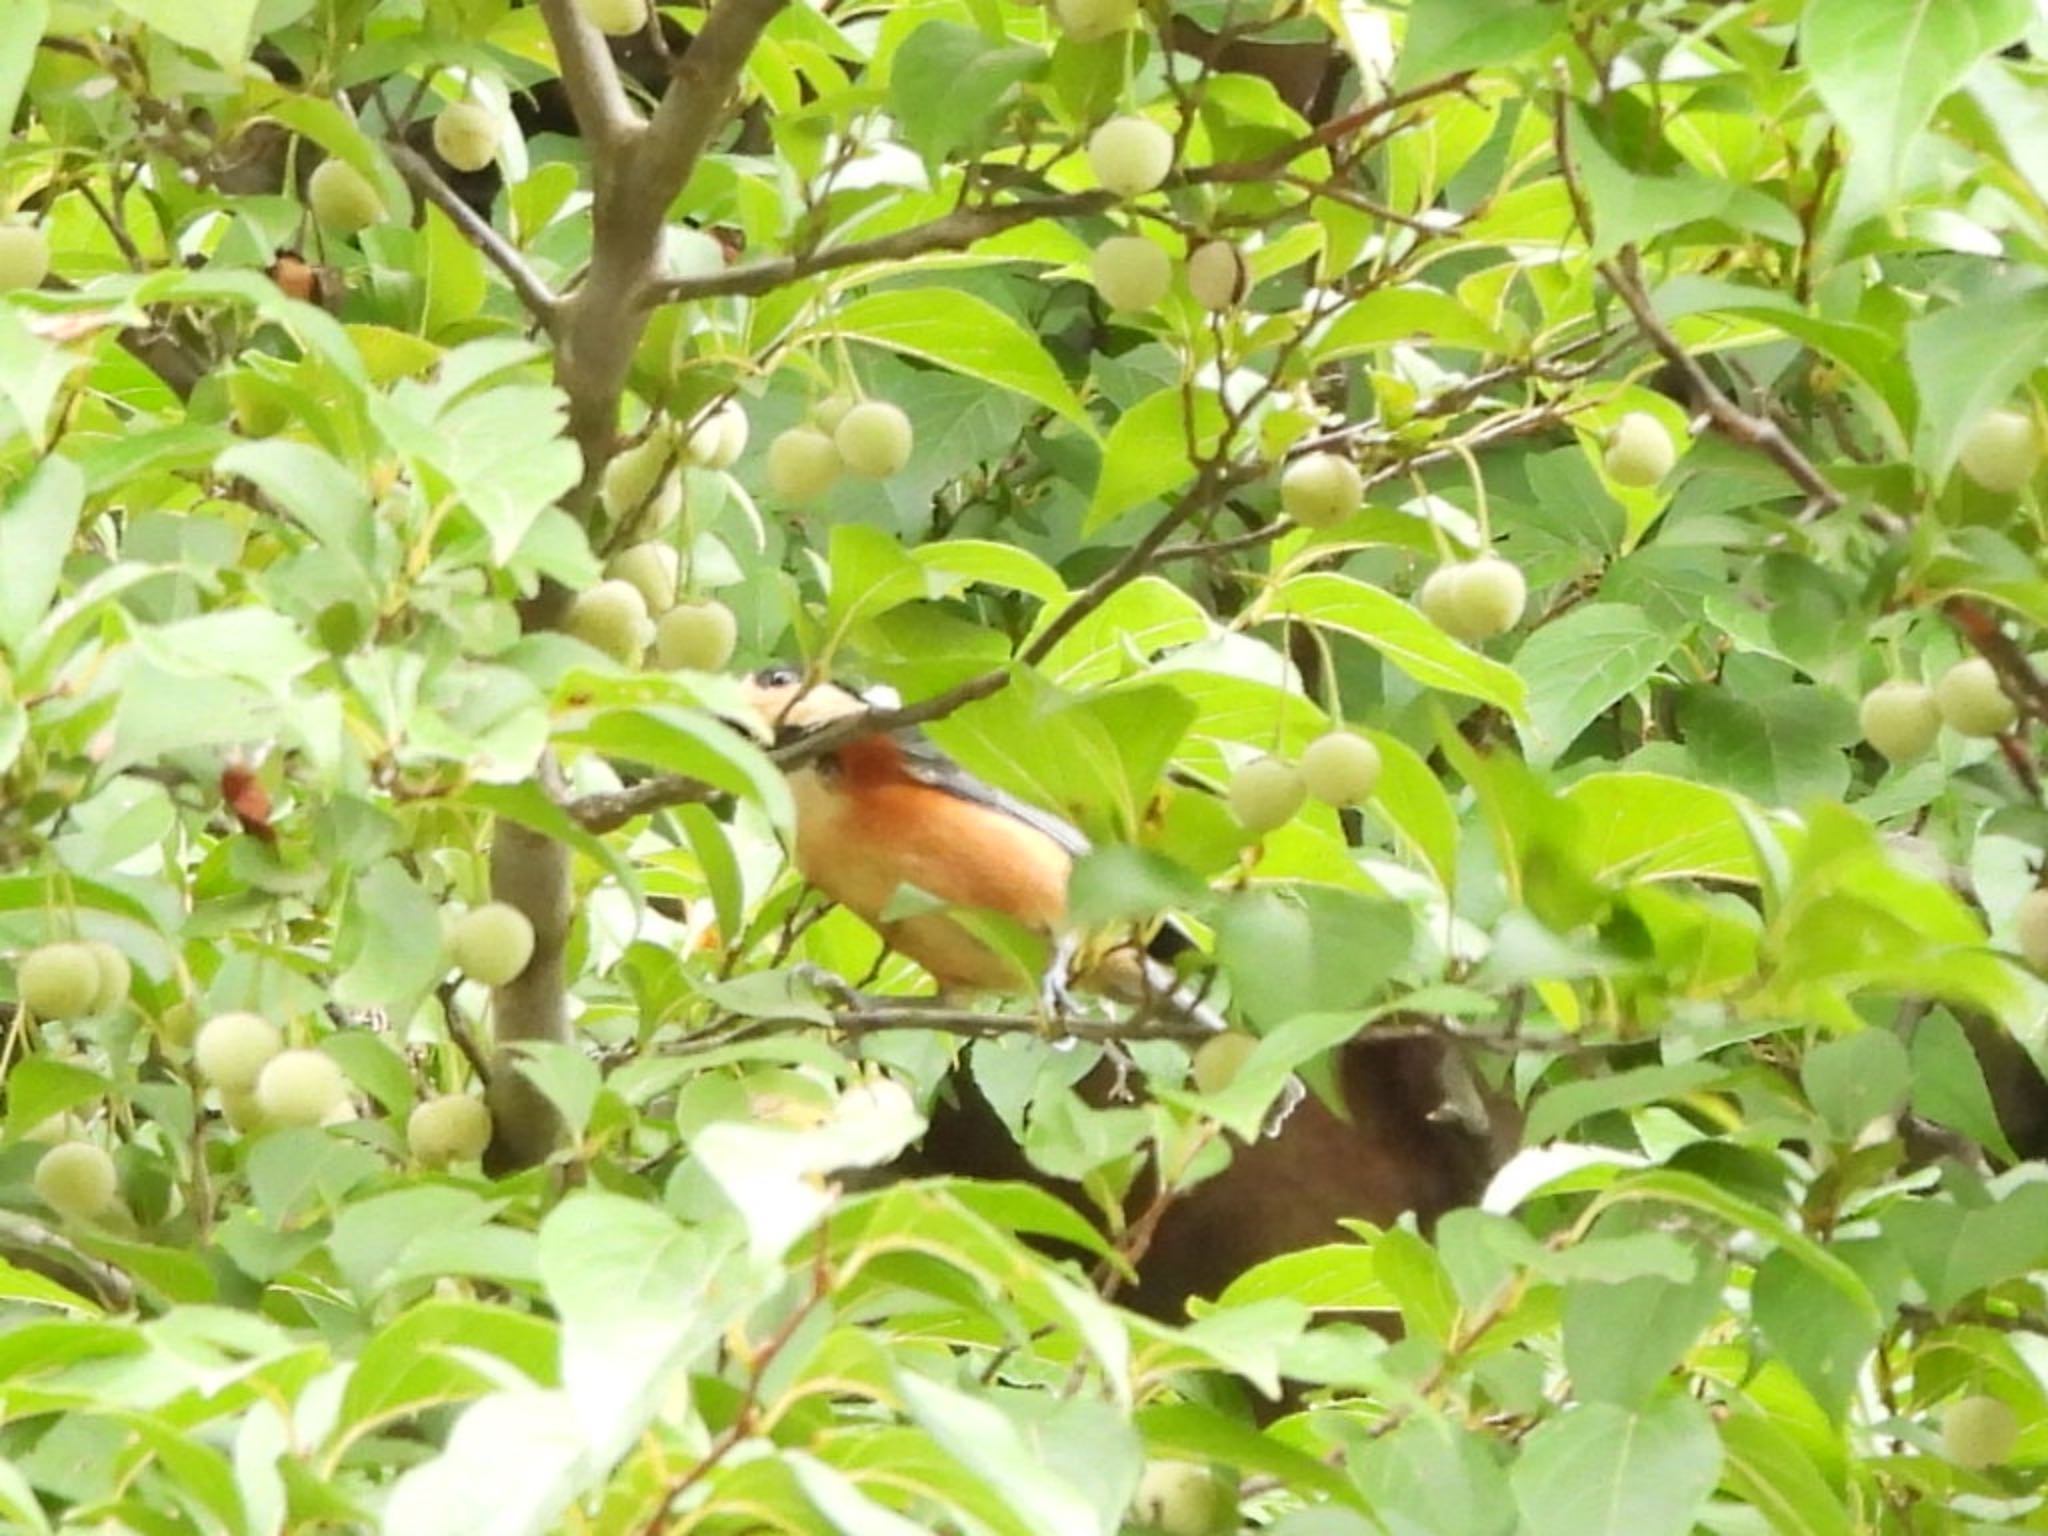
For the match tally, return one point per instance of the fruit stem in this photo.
(1478, 494)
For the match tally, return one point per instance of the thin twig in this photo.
(541, 301)
(953, 231)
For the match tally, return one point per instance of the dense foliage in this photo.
(1623, 414)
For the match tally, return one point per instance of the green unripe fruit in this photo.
(178, 1025)
(453, 1128)
(24, 257)
(300, 1088)
(491, 943)
(117, 976)
(615, 18)
(1971, 701)
(76, 1179)
(718, 439)
(1266, 794)
(874, 439)
(1320, 490)
(1474, 600)
(232, 1050)
(1130, 155)
(2002, 452)
(239, 1107)
(466, 136)
(611, 617)
(802, 464)
(651, 569)
(1218, 276)
(1183, 1498)
(830, 411)
(696, 637)
(1085, 21)
(639, 483)
(1639, 451)
(2030, 927)
(1900, 719)
(1131, 273)
(1978, 1432)
(58, 981)
(1341, 769)
(1220, 1058)
(342, 198)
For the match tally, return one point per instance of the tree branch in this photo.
(698, 99)
(540, 300)
(597, 97)
(530, 872)
(953, 231)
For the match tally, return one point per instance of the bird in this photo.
(885, 818)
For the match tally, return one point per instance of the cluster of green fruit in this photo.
(1338, 769)
(870, 438)
(1131, 156)
(1901, 718)
(640, 602)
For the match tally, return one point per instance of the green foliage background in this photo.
(1717, 958)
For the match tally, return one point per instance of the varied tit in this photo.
(882, 812)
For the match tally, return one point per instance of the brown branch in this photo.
(531, 872)
(2016, 673)
(698, 100)
(597, 97)
(540, 300)
(953, 231)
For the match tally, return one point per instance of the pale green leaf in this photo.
(1402, 635)
(966, 334)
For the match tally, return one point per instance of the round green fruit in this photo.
(24, 256)
(1218, 276)
(232, 1049)
(874, 439)
(77, 1179)
(652, 569)
(1639, 450)
(1220, 1058)
(117, 976)
(1341, 769)
(1900, 719)
(639, 484)
(1266, 794)
(1184, 1498)
(454, 1128)
(611, 617)
(1320, 490)
(1475, 600)
(719, 437)
(830, 411)
(491, 943)
(615, 18)
(300, 1088)
(1978, 1432)
(2030, 927)
(58, 981)
(2002, 452)
(803, 464)
(696, 637)
(342, 198)
(1131, 273)
(1971, 701)
(1130, 155)
(466, 135)
(1086, 21)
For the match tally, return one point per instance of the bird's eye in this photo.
(776, 677)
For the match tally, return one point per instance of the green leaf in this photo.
(389, 941)
(1433, 1475)
(641, 1300)
(1768, 1470)
(1147, 453)
(966, 334)
(947, 82)
(1949, 1086)
(1563, 1107)
(1817, 1330)
(1402, 635)
(1967, 360)
(1411, 799)
(37, 521)
(1621, 1341)
(220, 28)
(1309, 949)
(990, 1445)
(1854, 1080)
(1447, 36)
(1603, 1471)
(1883, 66)
(1644, 826)
(984, 562)
(18, 42)
(513, 1462)
(1400, 314)
(1577, 665)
